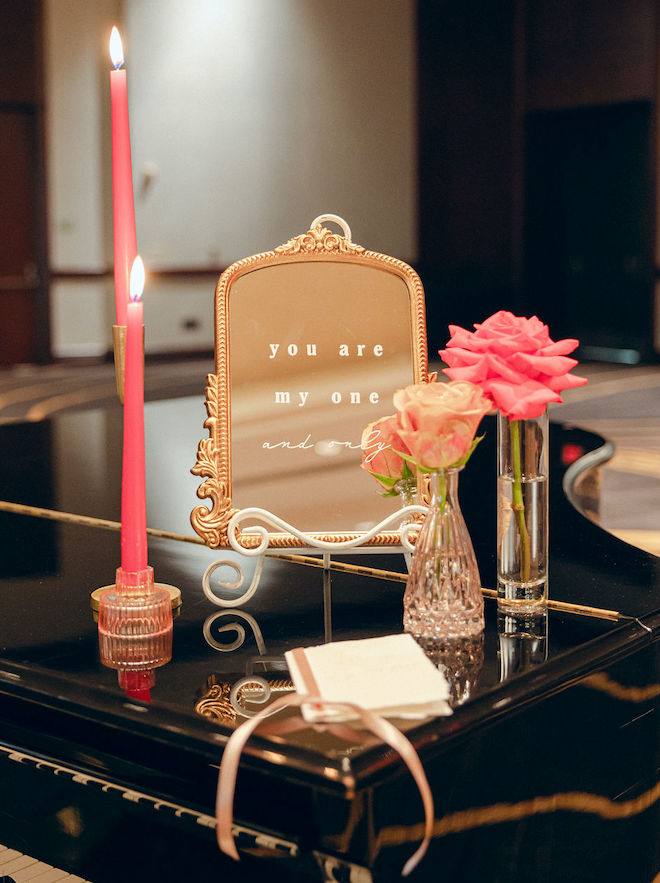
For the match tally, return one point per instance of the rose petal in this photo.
(472, 373)
(381, 444)
(560, 347)
(458, 355)
(566, 381)
(523, 401)
(553, 366)
(499, 367)
(467, 340)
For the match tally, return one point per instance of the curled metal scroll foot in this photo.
(233, 626)
(231, 585)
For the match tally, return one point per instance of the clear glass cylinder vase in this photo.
(443, 596)
(522, 512)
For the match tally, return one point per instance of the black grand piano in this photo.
(547, 770)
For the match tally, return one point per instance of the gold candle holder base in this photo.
(119, 350)
(174, 593)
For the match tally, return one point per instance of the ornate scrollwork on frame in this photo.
(212, 464)
(311, 340)
(319, 240)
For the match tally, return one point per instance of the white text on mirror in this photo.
(283, 397)
(306, 444)
(310, 350)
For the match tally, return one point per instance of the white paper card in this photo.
(391, 676)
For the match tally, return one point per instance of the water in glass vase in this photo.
(523, 541)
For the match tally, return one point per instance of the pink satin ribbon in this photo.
(224, 808)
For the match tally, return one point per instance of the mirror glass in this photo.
(317, 351)
(312, 341)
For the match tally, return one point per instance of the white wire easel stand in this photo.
(312, 546)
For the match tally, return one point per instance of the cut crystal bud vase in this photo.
(406, 488)
(443, 594)
(522, 512)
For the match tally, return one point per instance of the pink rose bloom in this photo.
(380, 442)
(438, 421)
(514, 361)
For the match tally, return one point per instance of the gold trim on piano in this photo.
(306, 560)
(603, 682)
(479, 817)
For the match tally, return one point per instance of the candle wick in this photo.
(116, 49)
(136, 280)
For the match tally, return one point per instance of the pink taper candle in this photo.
(133, 485)
(123, 210)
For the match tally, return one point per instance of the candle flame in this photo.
(136, 283)
(116, 49)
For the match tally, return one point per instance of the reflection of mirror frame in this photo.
(214, 453)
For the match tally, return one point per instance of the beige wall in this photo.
(77, 145)
(248, 119)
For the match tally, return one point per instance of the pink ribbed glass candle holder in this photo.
(135, 624)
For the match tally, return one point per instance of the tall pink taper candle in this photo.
(123, 209)
(133, 484)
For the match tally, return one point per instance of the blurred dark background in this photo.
(538, 155)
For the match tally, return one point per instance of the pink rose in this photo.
(380, 442)
(438, 421)
(514, 361)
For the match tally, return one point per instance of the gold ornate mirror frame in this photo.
(214, 456)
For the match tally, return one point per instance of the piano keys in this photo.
(16, 867)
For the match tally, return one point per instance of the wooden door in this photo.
(19, 277)
(24, 333)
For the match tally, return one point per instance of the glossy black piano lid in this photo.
(48, 623)
(56, 700)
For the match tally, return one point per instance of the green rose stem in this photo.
(517, 503)
(441, 488)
